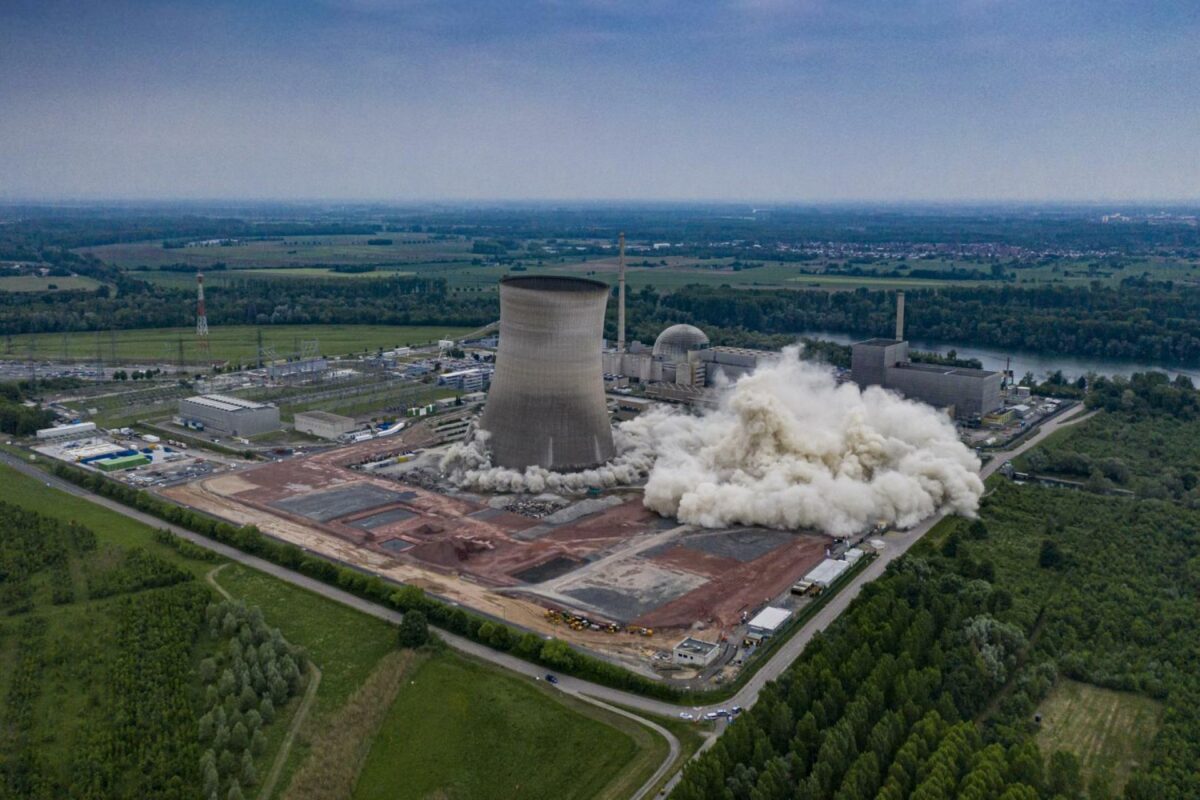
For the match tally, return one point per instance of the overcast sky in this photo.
(601, 99)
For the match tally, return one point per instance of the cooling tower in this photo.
(546, 405)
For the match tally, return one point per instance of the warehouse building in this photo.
(118, 463)
(323, 425)
(60, 432)
(767, 622)
(229, 415)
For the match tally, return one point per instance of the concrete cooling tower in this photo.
(546, 405)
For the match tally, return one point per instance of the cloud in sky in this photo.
(747, 99)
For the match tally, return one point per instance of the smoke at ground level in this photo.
(786, 447)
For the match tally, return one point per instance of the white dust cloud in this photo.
(786, 447)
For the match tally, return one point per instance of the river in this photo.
(1040, 364)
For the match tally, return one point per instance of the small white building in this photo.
(766, 622)
(695, 652)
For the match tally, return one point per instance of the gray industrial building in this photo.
(732, 362)
(229, 415)
(323, 425)
(546, 406)
(885, 362)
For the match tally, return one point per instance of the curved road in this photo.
(898, 543)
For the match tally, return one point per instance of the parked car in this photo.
(550, 678)
(686, 715)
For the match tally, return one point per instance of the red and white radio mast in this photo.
(201, 316)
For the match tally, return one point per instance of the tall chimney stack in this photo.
(900, 316)
(621, 295)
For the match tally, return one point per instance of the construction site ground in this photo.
(608, 559)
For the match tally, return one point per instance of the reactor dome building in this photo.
(675, 342)
(546, 406)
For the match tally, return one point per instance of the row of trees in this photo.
(1154, 322)
(252, 672)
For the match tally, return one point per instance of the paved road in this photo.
(897, 544)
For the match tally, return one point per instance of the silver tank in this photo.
(546, 405)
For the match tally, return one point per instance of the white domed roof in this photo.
(677, 341)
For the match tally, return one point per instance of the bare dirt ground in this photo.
(622, 564)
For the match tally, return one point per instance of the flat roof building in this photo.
(885, 362)
(768, 621)
(230, 415)
(828, 571)
(67, 431)
(323, 425)
(695, 652)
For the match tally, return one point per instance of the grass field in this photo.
(234, 343)
(454, 707)
(464, 731)
(300, 251)
(35, 283)
(1110, 732)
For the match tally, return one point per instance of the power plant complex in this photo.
(966, 393)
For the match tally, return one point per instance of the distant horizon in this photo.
(763, 204)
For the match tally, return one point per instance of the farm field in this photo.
(232, 343)
(1110, 732)
(298, 251)
(460, 729)
(223, 278)
(36, 283)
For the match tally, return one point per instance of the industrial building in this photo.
(285, 370)
(78, 429)
(767, 622)
(323, 425)
(546, 406)
(118, 463)
(965, 392)
(695, 652)
(230, 415)
(730, 362)
(476, 379)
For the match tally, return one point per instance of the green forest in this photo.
(929, 685)
(168, 690)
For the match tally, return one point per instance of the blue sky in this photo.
(601, 99)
